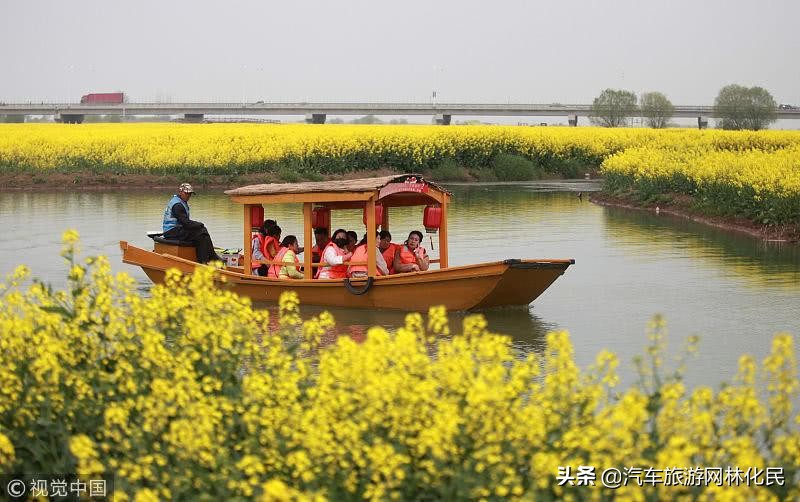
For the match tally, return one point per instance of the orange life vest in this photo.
(360, 254)
(265, 247)
(275, 270)
(388, 256)
(407, 256)
(335, 271)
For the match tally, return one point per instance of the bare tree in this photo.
(613, 107)
(657, 109)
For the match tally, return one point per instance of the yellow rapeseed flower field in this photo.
(223, 148)
(754, 174)
(192, 394)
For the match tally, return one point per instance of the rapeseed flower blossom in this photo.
(191, 393)
(745, 173)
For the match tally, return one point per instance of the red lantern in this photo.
(378, 215)
(432, 219)
(321, 218)
(256, 216)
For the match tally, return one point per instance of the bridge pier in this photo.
(194, 118)
(442, 118)
(702, 122)
(315, 118)
(572, 120)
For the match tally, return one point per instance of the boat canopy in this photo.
(389, 191)
(367, 193)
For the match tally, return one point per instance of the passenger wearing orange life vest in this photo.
(321, 239)
(257, 246)
(352, 240)
(272, 243)
(361, 255)
(411, 257)
(287, 255)
(387, 248)
(334, 254)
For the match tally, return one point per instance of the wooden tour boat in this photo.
(484, 285)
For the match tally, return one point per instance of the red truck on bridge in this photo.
(103, 98)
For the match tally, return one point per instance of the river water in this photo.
(732, 290)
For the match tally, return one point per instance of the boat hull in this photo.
(485, 285)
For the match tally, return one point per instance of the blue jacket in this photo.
(170, 221)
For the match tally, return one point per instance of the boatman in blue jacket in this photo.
(178, 226)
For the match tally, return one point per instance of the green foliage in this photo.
(718, 199)
(290, 173)
(657, 109)
(483, 174)
(613, 107)
(12, 119)
(367, 119)
(508, 167)
(740, 107)
(448, 170)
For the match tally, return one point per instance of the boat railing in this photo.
(324, 264)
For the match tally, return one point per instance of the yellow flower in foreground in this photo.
(6, 452)
(189, 394)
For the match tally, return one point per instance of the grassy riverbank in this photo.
(191, 392)
(755, 187)
(685, 206)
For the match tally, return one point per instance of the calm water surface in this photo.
(732, 290)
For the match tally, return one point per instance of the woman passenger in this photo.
(360, 255)
(352, 240)
(257, 246)
(411, 257)
(287, 255)
(334, 255)
(387, 248)
(272, 242)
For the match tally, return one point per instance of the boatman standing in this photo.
(178, 226)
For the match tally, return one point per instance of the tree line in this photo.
(736, 107)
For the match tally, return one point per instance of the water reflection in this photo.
(647, 236)
(528, 329)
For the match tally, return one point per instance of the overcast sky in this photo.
(346, 50)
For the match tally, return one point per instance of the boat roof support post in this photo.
(371, 244)
(443, 237)
(385, 222)
(308, 270)
(248, 238)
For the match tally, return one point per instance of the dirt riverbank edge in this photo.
(87, 181)
(82, 181)
(683, 206)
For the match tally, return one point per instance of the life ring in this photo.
(359, 291)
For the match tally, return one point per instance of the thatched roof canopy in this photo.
(343, 186)
(391, 191)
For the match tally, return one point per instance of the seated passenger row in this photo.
(390, 257)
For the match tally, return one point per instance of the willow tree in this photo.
(613, 107)
(740, 107)
(656, 109)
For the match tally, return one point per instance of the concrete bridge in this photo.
(316, 113)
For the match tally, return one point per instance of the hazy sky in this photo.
(346, 50)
